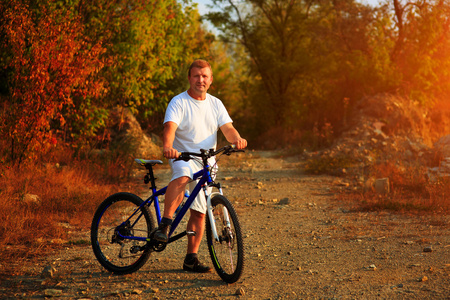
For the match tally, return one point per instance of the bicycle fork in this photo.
(212, 219)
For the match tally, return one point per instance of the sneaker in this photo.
(161, 234)
(196, 266)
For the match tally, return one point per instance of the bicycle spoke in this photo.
(114, 228)
(231, 260)
(227, 253)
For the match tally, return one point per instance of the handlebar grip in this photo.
(182, 156)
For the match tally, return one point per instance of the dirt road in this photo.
(301, 243)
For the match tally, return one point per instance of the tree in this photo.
(273, 33)
(149, 44)
(147, 40)
(344, 70)
(46, 62)
(305, 55)
(190, 40)
(422, 45)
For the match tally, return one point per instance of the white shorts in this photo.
(182, 168)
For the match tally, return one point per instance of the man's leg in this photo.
(196, 223)
(174, 196)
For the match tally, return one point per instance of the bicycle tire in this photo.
(114, 253)
(227, 254)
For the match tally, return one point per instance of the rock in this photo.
(284, 201)
(371, 268)
(381, 185)
(368, 184)
(31, 199)
(443, 146)
(240, 292)
(427, 249)
(136, 292)
(443, 170)
(341, 183)
(52, 293)
(414, 265)
(127, 132)
(423, 279)
(48, 272)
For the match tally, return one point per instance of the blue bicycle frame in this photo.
(205, 179)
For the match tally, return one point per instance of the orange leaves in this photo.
(51, 63)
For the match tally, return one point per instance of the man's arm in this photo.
(168, 138)
(233, 136)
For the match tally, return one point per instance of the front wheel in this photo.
(227, 250)
(119, 233)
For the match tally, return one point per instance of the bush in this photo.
(66, 191)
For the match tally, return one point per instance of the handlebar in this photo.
(205, 154)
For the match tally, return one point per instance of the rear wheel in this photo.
(113, 229)
(227, 251)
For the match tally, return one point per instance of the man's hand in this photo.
(240, 143)
(170, 152)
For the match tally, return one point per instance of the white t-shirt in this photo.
(198, 121)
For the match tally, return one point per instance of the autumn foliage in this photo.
(50, 63)
(64, 67)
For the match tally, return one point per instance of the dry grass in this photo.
(68, 194)
(410, 191)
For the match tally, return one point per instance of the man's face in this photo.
(200, 79)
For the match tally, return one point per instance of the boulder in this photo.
(442, 146)
(126, 133)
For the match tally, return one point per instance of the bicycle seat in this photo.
(144, 162)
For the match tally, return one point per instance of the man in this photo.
(191, 123)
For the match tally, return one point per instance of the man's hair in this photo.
(199, 63)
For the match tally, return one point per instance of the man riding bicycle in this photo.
(191, 123)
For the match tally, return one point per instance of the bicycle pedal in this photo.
(191, 233)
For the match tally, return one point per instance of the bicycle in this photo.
(123, 227)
